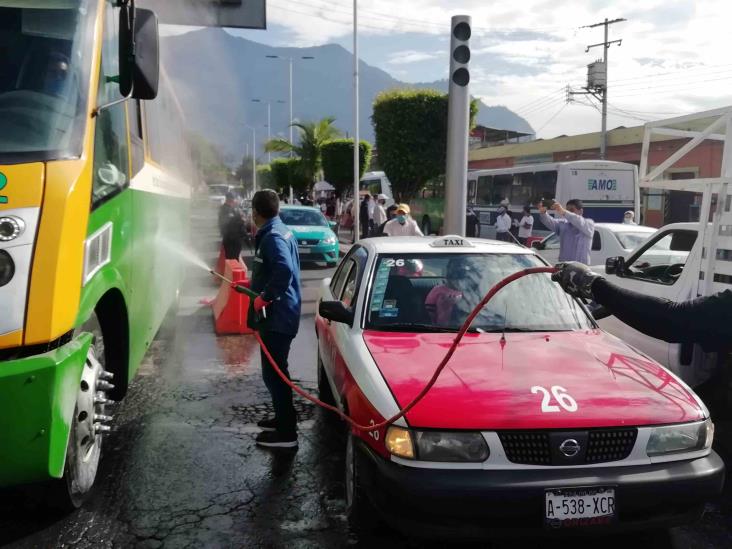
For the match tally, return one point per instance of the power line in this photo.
(671, 73)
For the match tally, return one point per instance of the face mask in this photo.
(402, 219)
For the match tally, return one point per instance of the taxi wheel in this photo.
(361, 515)
(324, 391)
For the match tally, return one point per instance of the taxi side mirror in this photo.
(336, 311)
(615, 265)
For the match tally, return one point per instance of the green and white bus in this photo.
(94, 188)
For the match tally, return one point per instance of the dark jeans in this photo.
(279, 347)
(505, 237)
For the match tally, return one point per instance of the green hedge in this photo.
(337, 157)
(287, 172)
(411, 137)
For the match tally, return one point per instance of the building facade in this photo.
(624, 145)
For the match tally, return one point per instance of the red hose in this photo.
(466, 325)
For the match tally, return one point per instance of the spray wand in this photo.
(262, 315)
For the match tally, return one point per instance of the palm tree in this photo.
(313, 135)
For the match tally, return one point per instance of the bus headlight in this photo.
(675, 439)
(7, 268)
(463, 447)
(10, 228)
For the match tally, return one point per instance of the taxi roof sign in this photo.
(452, 241)
(240, 14)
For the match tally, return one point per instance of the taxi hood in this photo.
(488, 386)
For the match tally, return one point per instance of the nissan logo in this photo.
(569, 447)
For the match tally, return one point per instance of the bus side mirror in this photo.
(139, 52)
(615, 266)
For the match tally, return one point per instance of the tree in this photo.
(286, 173)
(411, 137)
(207, 157)
(338, 162)
(264, 177)
(313, 135)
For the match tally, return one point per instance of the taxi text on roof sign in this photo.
(452, 241)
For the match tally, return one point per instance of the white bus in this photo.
(607, 189)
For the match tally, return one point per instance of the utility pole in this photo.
(254, 156)
(356, 130)
(597, 80)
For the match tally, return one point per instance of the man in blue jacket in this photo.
(276, 278)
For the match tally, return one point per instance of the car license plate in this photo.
(573, 507)
(304, 248)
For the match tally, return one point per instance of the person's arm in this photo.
(549, 222)
(415, 228)
(585, 226)
(704, 320)
(277, 253)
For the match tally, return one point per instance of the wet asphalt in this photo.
(181, 468)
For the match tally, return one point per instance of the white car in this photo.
(610, 240)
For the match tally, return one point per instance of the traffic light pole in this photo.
(458, 127)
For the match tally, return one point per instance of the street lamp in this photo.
(290, 59)
(254, 156)
(269, 123)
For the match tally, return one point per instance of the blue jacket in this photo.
(276, 276)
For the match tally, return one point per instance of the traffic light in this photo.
(460, 51)
(458, 126)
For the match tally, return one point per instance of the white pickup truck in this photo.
(666, 265)
(684, 260)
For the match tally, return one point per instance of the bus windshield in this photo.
(44, 67)
(437, 292)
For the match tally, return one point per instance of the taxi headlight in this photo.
(7, 268)
(455, 447)
(329, 239)
(674, 439)
(10, 228)
(399, 442)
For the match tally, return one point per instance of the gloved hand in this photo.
(575, 278)
(260, 303)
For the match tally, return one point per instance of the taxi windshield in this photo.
(437, 292)
(303, 218)
(44, 64)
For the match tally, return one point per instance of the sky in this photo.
(674, 57)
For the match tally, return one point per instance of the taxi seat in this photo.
(410, 295)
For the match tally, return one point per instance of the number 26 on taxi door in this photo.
(561, 396)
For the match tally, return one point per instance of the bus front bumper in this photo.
(37, 400)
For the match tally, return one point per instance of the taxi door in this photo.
(337, 336)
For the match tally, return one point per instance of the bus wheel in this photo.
(426, 225)
(88, 426)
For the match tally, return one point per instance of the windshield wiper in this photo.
(411, 327)
(510, 329)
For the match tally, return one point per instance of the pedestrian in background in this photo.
(503, 225)
(575, 231)
(276, 278)
(390, 214)
(402, 224)
(363, 215)
(231, 226)
(629, 218)
(526, 226)
(379, 212)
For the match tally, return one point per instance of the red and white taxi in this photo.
(540, 421)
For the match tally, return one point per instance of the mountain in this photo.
(216, 76)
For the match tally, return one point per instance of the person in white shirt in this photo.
(503, 225)
(379, 211)
(629, 218)
(526, 225)
(402, 224)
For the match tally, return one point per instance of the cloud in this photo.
(407, 57)
(673, 58)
